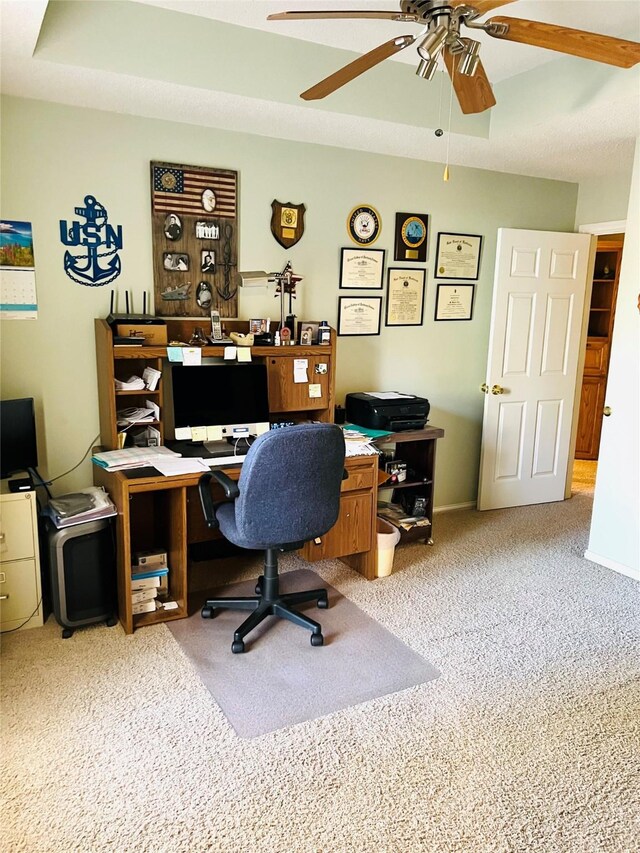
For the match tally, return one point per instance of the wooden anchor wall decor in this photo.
(194, 212)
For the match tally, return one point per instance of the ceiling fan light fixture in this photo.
(469, 59)
(427, 68)
(432, 43)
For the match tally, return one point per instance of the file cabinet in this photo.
(20, 580)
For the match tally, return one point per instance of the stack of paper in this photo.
(133, 383)
(132, 457)
(86, 505)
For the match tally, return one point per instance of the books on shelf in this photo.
(398, 516)
(144, 607)
(140, 595)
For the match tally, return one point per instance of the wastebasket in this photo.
(388, 538)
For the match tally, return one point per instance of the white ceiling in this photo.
(594, 137)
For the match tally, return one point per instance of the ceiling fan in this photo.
(442, 22)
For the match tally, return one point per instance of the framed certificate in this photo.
(411, 237)
(405, 297)
(359, 315)
(361, 268)
(454, 301)
(458, 256)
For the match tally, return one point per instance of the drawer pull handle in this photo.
(4, 597)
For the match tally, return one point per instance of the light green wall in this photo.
(603, 199)
(52, 156)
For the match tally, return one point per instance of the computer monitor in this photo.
(231, 397)
(18, 448)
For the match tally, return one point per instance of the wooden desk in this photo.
(165, 512)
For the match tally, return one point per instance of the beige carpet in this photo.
(528, 741)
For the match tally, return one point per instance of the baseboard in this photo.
(453, 507)
(634, 574)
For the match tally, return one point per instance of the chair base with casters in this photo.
(308, 459)
(269, 601)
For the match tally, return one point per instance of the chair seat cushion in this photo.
(226, 516)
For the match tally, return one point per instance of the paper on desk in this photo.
(172, 467)
(300, 370)
(389, 395)
(191, 356)
(244, 353)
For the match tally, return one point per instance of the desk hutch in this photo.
(156, 511)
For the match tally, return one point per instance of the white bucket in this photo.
(388, 538)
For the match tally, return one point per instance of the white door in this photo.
(534, 346)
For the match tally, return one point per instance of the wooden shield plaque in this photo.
(287, 222)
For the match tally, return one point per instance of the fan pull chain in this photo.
(445, 177)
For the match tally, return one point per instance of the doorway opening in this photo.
(591, 408)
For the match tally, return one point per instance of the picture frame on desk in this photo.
(308, 332)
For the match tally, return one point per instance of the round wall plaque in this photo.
(364, 224)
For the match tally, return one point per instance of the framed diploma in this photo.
(411, 237)
(405, 297)
(458, 256)
(454, 301)
(359, 315)
(361, 268)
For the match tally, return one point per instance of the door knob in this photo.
(497, 389)
(484, 388)
(606, 411)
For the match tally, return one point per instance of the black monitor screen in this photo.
(18, 448)
(219, 394)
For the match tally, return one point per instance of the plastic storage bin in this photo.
(388, 538)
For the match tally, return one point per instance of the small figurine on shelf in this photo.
(198, 338)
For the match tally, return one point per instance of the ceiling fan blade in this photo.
(613, 51)
(481, 6)
(358, 66)
(311, 14)
(474, 93)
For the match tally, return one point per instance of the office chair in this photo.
(288, 493)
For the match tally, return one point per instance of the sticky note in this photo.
(244, 353)
(191, 356)
(315, 390)
(183, 433)
(198, 433)
(230, 353)
(214, 433)
(174, 353)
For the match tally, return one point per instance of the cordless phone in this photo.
(216, 327)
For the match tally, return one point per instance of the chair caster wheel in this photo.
(207, 612)
(317, 640)
(237, 647)
(111, 622)
(66, 633)
(258, 589)
(323, 603)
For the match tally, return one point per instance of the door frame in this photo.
(598, 229)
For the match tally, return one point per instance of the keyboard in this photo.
(219, 461)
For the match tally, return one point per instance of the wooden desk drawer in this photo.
(359, 478)
(596, 358)
(351, 534)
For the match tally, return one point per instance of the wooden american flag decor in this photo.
(194, 213)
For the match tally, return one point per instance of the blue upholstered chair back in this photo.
(289, 487)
